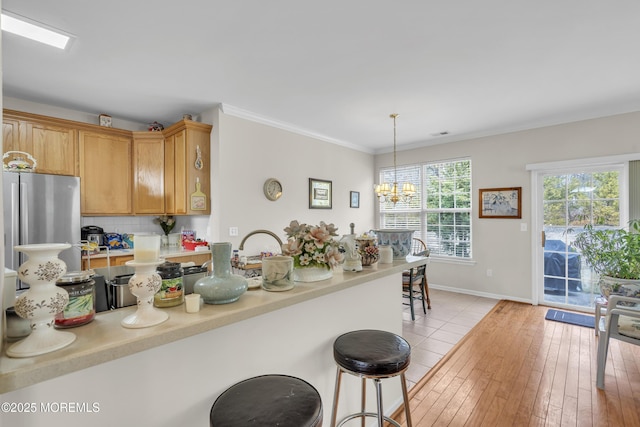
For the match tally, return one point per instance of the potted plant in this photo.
(615, 255)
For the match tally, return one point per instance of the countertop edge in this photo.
(104, 340)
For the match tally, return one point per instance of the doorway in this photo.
(568, 199)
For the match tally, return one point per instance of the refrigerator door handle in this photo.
(14, 237)
(24, 214)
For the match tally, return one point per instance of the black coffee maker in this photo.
(92, 233)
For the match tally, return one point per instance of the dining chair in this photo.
(413, 287)
(622, 322)
(414, 281)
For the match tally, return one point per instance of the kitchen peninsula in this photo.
(170, 374)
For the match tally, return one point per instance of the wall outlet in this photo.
(489, 272)
(233, 231)
(523, 226)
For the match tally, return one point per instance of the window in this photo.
(441, 211)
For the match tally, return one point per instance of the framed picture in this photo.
(105, 120)
(501, 202)
(354, 200)
(319, 194)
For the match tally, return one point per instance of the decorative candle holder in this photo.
(42, 301)
(144, 284)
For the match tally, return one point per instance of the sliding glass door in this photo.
(571, 199)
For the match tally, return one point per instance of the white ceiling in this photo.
(337, 69)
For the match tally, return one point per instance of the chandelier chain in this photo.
(392, 193)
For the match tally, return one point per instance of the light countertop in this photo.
(104, 339)
(165, 252)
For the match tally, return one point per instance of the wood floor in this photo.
(517, 369)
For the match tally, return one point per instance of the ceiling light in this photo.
(386, 191)
(25, 27)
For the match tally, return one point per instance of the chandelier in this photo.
(391, 192)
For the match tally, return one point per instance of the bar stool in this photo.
(268, 400)
(371, 354)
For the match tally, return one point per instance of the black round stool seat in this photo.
(268, 400)
(372, 352)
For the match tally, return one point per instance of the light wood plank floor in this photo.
(516, 369)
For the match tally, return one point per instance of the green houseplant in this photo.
(615, 255)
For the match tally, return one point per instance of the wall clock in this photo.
(272, 189)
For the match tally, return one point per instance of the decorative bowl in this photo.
(398, 239)
(191, 245)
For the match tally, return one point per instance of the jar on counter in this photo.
(16, 327)
(386, 254)
(81, 308)
(171, 292)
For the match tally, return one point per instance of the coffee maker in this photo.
(92, 234)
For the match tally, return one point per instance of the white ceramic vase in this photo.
(311, 274)
(42, 301)
(144, 284)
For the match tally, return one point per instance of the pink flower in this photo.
(292, 247)
(294, 228)
(320, 235)
(334, 256)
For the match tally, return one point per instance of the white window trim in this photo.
(434, 257)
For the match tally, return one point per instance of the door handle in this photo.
(544, 238)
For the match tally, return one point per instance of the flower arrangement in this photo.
(368, 249)
(312, 245)
(166, 222)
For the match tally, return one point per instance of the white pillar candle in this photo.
(146, 247)
(192, 303)
(386, 254)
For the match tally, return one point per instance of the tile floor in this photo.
(431, 336)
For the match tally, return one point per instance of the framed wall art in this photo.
(319, 194)
(354, 199)
(500, 202)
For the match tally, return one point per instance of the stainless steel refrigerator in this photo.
(41, 208)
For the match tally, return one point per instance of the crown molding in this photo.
(248, 115)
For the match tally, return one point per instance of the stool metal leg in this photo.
(363, 414)
(363, 396)
(379, 399)
(336, 392)
(405, 396)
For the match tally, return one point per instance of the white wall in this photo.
(500, 161)
(250, 152)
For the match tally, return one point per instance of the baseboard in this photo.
(479, 294)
